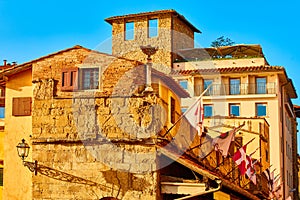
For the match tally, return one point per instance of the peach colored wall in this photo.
(1, 157)
(17, 178)
(247, 107)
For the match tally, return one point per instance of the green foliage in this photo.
(222, 41)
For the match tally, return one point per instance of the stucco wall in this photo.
(1, 157)
(17, 178)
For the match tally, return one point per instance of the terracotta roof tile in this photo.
(226, 70)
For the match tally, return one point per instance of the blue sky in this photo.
(31, 29)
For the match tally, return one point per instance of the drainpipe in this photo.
(283, 135)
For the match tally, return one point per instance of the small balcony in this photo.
(237, 89)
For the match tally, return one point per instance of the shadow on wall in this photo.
(125, 181)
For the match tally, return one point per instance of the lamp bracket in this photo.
(32, 166)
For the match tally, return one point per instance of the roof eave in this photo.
(110, 20)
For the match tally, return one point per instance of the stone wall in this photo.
(131, 48)
(93, 144)
(183, 36)
(71, 171)
(173, 34)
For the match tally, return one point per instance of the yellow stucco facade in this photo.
(17, 178)
(1, 158)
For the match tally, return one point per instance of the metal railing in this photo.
(237, 89)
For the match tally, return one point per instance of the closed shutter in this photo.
(21, 106)
(69, 79)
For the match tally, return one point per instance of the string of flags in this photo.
(221, 143)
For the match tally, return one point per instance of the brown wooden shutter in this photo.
(21, 106)
(69, 79)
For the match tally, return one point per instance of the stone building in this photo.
(101, 129)
(165, 29)
(244, 84)
(110, 126)
(106, 136)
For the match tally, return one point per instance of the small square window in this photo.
(89, 78)
(261, 109)
(208, 110)
(2, 112)
(153, 28)
(183, 109)
(183, 84)
(129, 30)
(234, 109)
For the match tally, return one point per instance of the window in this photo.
(69, 79)
(261, 109)
(2, 92)
(267, 155)
(261, 85)
(1, 176)
(129, 31)
(234, 109)
(183, 109)
(153, 28)
(89, 78)
(183, 84)
(206, 83)
(2, 112)
(172, 110)
(21, 106)
(208, 110)
(235, 86)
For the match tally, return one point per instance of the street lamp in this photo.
(23, 151)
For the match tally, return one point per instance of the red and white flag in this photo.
(195, 115)
(250, 171)
(270, 177)
(223, 141)
(240, 158)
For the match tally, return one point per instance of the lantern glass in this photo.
(23, 149)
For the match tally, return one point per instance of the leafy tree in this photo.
(222, 41)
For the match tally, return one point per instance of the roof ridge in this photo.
(110, 19)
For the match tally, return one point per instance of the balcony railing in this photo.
(237, 89)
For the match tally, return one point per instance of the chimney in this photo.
(14, 63)
(4, 63)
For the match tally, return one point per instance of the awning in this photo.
(189, 163)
